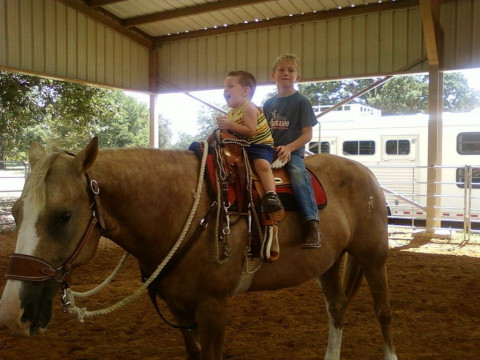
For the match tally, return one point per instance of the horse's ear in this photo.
(86, 157)
(35, 153)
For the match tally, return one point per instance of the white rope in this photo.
(82, 313)
(105, 282)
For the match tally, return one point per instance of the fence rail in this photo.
(405, 189)
(12, 179)
(457, 195)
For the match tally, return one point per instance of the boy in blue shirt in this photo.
(291, 119)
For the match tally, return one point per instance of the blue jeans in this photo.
(302, 188)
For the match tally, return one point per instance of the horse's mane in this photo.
(36, 180)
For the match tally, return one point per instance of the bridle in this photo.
(34, 269)
(30, 268)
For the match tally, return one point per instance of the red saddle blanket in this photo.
(283, 187)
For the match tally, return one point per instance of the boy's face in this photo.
(285, 74)
(234, 93)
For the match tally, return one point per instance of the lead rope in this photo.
(82, 313)
(105, 282)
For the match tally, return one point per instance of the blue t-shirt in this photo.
(287, 116)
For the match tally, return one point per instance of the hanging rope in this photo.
(82, 313)
(105, 282)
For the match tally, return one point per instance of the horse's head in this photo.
(52, 216)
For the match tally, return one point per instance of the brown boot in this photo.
(313, 239)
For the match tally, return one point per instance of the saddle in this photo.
(240, 187)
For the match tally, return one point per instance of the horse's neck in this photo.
(146, 194)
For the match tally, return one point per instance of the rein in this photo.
(82, 313)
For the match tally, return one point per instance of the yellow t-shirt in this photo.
(263, 134)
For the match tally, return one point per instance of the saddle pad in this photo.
(284, 190)
(285, 193)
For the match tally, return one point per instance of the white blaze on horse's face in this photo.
(27, 238)
(27, 241)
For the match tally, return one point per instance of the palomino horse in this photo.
(146, 196)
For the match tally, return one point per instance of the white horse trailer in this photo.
(395, 148)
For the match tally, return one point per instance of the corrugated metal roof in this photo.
(109, 42)
(158, 19)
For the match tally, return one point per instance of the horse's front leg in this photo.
(191, 337)
(210, 315)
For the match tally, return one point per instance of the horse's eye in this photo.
(65, 217)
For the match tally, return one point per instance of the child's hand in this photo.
(283, 153)
(222, 122)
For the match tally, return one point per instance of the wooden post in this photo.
(435, 124)
(153, 72)
(433, 35)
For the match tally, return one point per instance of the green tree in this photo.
(125, 124)
(65, 115)
(184, 141)
(206, 124)
(164, 132)
(20, 107)
(206, 121)
(459, 97)
(332, 92)
(400, 95)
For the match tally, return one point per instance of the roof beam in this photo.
(430, 11)
(187, 11)
(287, 20)
(99, 3)
(80, 6)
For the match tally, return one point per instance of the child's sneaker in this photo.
(271, 203)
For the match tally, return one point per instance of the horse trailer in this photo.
(395, 148)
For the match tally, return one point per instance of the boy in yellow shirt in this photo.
(248, 121)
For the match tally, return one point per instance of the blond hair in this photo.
(287, 57)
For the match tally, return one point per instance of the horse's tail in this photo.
(352, 277)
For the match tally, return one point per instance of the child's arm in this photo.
(283, 152)
(249, 126)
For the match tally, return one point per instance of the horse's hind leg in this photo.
(376, 276)
(336, 303)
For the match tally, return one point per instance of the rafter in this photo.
(80, 5)
(190, 10)
(99, 3)
(431, 29)
(287, 20)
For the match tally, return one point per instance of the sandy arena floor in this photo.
(435, 287)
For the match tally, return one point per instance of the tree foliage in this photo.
(164, 132)
(206, 124)
(400, 95)
(66, 115)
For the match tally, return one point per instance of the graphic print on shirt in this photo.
(278, 122)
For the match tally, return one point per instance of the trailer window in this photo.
(359, 147)
(468, 143)
(397, 147)
(325, 147)
(460, 178)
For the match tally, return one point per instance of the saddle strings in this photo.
(82, 313)
(221, 175)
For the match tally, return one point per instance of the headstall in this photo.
(31, 268)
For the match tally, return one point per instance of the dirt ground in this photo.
(435, 287)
